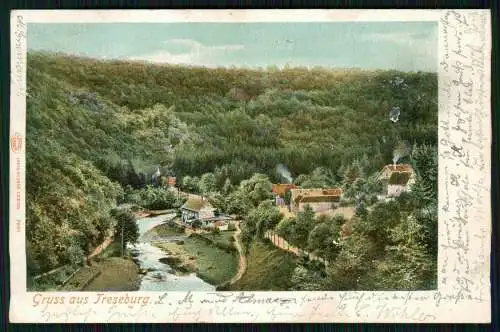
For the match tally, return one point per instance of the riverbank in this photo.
(164, 230)
(178, 258)
(212, 262)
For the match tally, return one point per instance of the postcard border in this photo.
(452, 302)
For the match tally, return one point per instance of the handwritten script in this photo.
(19, 73)
(464, 152)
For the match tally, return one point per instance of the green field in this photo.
(109, 274)
(268, 269)
(212, 264)
(106, 272)
(113, 250)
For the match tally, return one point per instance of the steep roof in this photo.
(398, 168)
(399, 178)
(397, 174)
(319, 195)
(318, 199)
(195, 204)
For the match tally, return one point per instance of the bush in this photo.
(226, 247)
(74, 253)
(231, 227)
(154, 198)
(372, 199)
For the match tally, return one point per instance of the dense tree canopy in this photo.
(185, 119)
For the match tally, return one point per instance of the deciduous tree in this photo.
(126, 228)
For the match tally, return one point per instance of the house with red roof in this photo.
(320, 200)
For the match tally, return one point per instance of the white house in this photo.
(197, 209)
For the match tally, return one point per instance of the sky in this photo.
(406, 46)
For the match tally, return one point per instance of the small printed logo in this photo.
(16, 143)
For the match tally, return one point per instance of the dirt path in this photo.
(100, 248)
(242, 266)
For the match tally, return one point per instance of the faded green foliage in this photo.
(153, 198)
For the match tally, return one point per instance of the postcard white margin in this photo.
(463, 294)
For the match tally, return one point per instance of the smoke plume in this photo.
(401, 150)
(284, 172)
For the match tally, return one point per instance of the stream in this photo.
(160, 276)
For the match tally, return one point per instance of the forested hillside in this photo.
(96, 127)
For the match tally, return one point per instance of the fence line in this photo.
(50, 272)
(283, 244)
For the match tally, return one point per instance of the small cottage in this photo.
(197, 209)
(320, 200)
(280, 190)
(397, 179)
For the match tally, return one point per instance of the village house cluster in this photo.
(395, 178)
(290, 198)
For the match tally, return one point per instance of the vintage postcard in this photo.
(250, 166)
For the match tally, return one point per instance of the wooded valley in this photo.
(97, 131)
